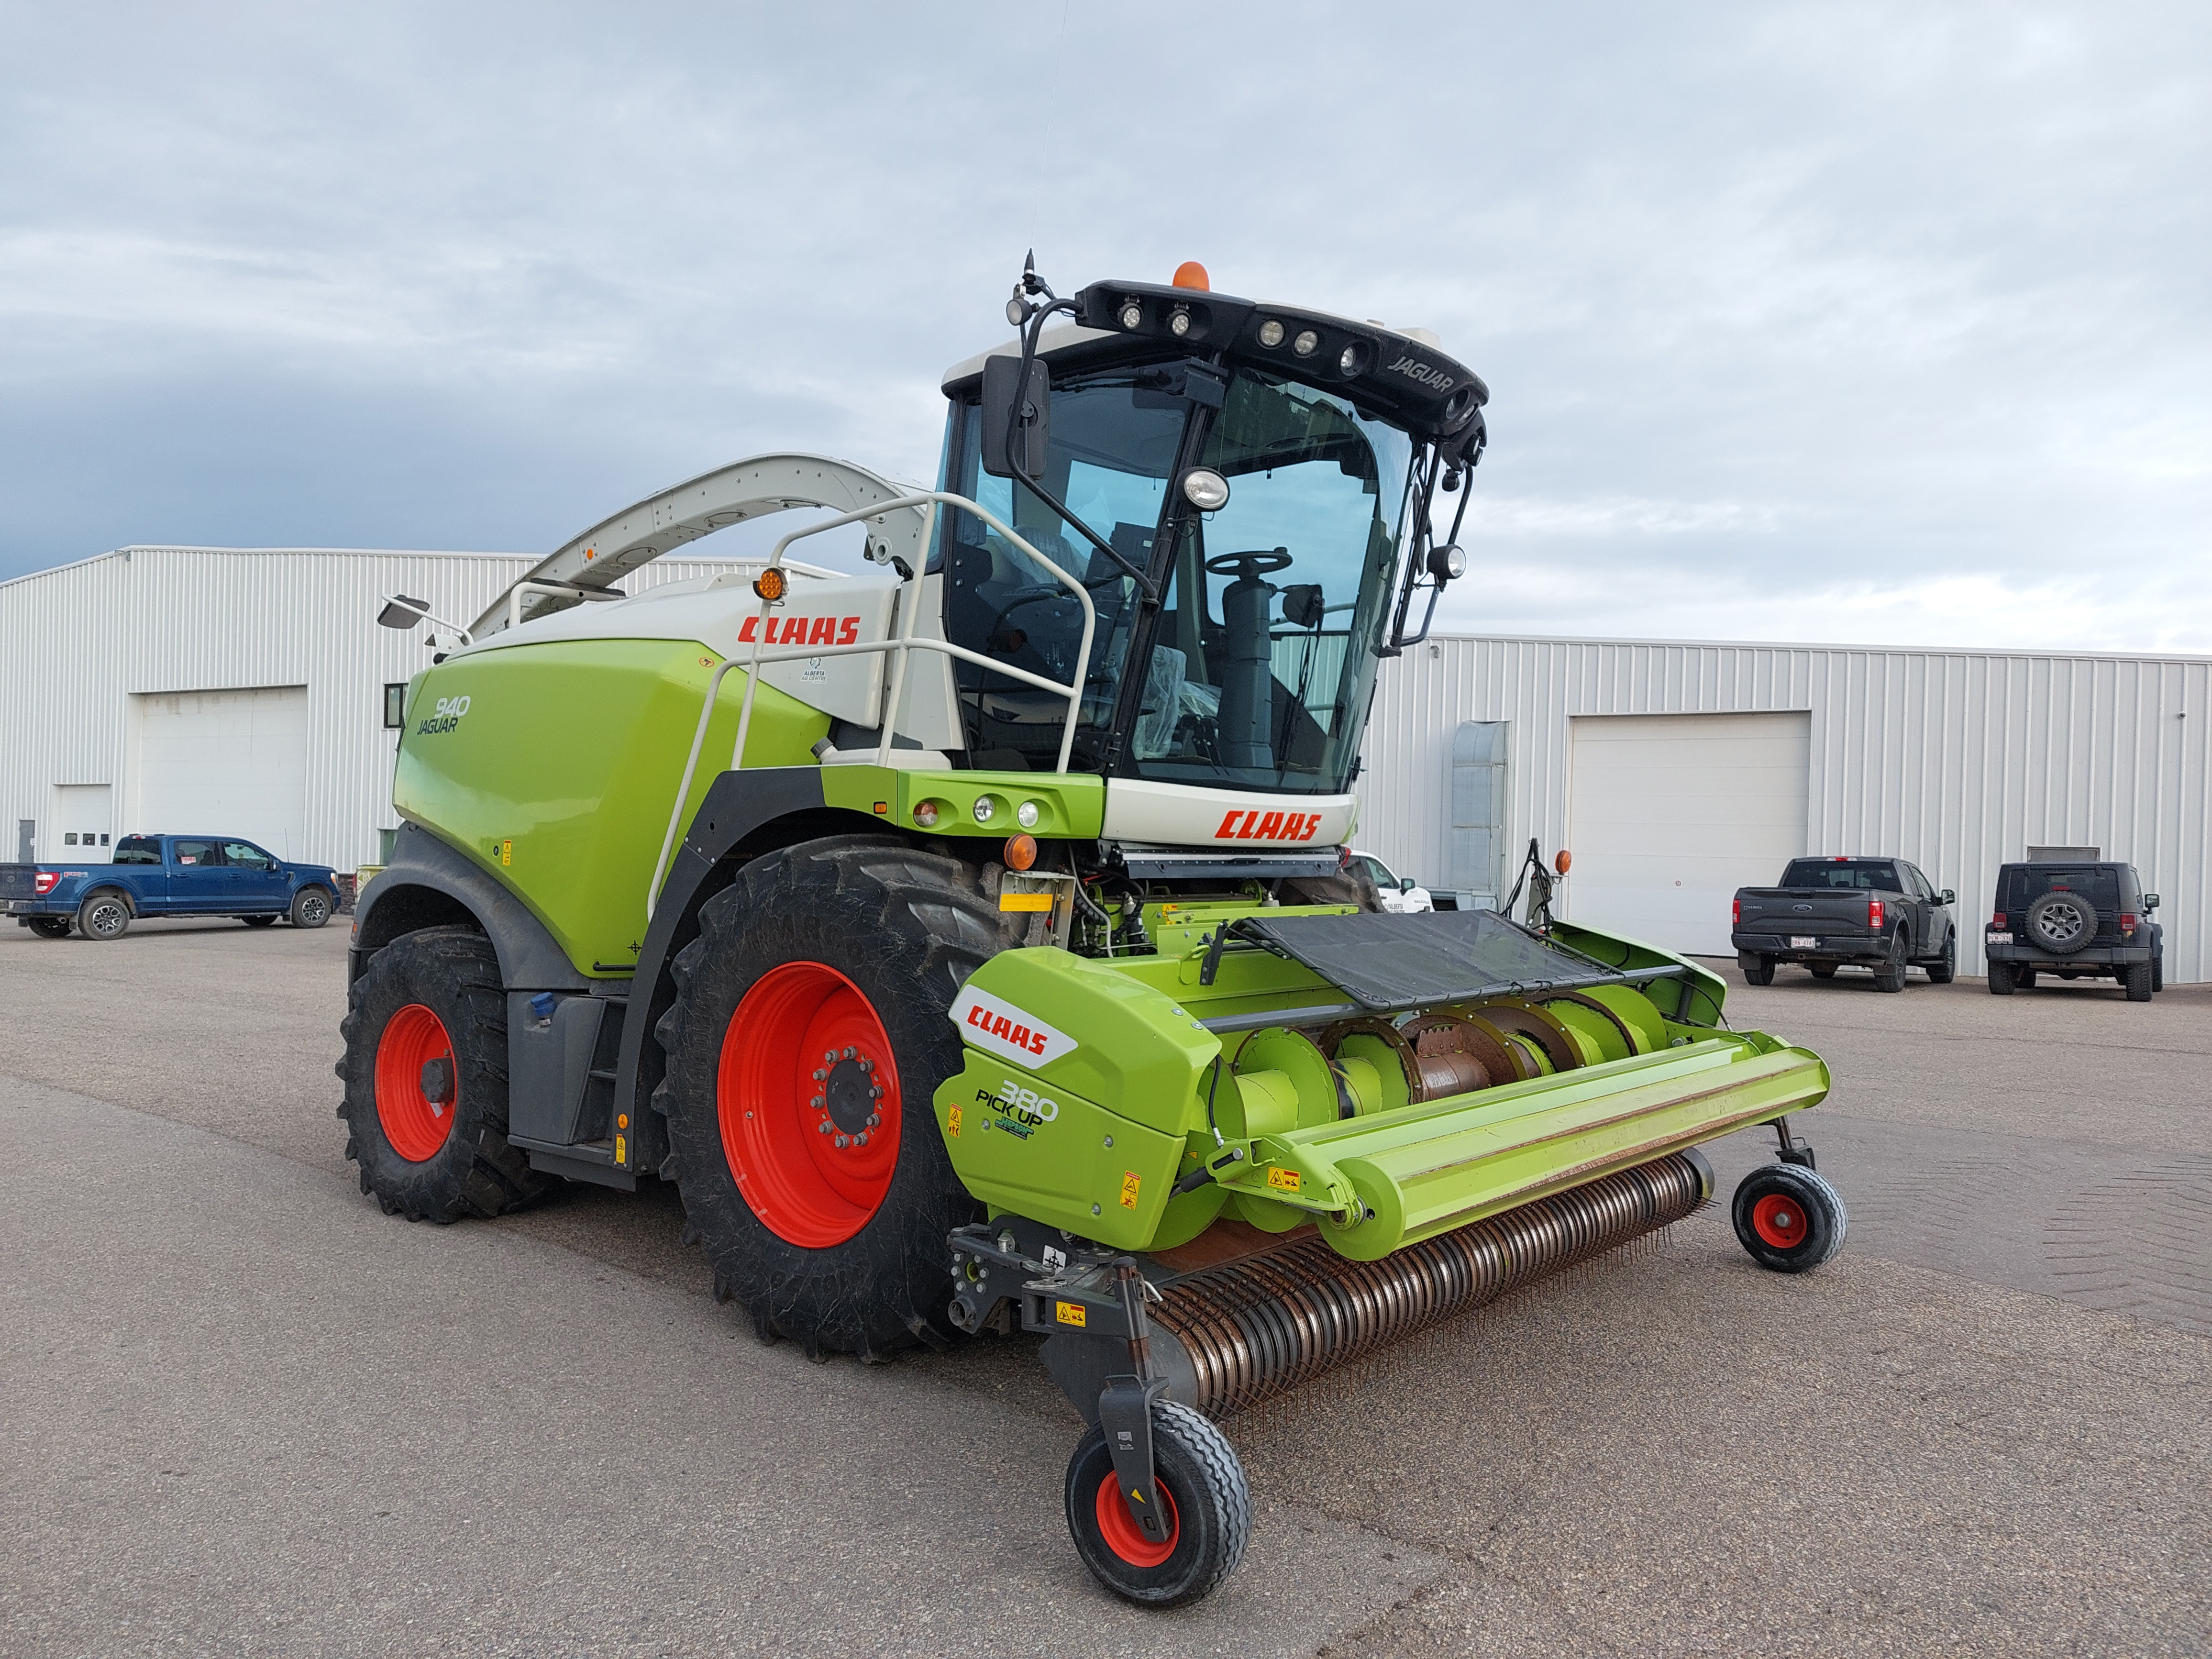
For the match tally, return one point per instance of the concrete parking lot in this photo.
(249, 1414)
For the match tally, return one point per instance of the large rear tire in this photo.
(808, 1032)
(1760, 972)
(425, 1072)
(2137, 977)
(2001, 978)
(104, 915)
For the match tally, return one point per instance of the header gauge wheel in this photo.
(1209, 1506)
(809, 1032)
(1789, 1219)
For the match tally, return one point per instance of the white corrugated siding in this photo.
(76, 642)
(1956, 760)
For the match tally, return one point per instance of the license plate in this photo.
(2000, 939)
(1802, 942)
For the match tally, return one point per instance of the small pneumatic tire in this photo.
(259, 921)
(433, 997)
(104, 915)
(1789, 1219)
(1944, 968)
(1760, 972)
(1212, 1501)
(2138, 981)
(311, 907)
(51, 926)
(2001, 978)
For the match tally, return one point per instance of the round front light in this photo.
(1026, 815)
(1271, 333)
(1307, 344)
(984, 808)
(1131, 313)
(1206, 490)
(1351, 359)
(926, 815)
(1179, 322)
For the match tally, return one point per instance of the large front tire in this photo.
(425, 1072)
(808, 1032)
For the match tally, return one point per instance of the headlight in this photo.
(926, 815)
(1307, 344)
(1206, 490)
(1179, 321)
(1026, 815)
(1353, 359)
(1271, 333)
(1132, 313)
(1447, 564)
(984, 808)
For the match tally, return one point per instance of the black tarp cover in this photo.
(1388, 964)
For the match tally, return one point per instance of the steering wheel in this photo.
(1263, 563)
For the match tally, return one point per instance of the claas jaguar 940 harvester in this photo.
(970, 935)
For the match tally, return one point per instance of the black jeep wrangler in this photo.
(2075, 921)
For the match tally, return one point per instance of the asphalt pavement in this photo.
(253, 1415)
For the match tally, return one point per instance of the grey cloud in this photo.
(1800, 322)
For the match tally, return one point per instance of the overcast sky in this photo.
(1818, 323)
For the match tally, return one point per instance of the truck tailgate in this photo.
(15, 880)
(1805, 912)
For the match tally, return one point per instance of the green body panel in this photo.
(558, 774)
(1027, 1145)
(1282, 1153)
(1070, 805)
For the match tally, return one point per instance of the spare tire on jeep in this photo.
(2062, 922)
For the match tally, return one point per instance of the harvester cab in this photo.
(971, 939)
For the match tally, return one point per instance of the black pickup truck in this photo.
(1881, 914)
(2075, 921)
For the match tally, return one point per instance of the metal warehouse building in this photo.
(1676, 773)
(244, 692)
(240, 691)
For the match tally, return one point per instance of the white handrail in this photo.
(902, 646)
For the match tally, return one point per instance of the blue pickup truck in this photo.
(166, 876)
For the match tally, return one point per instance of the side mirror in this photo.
(1949, 897)
(1026, 410)
(1406, 884)
(2150, 903)
(401, 612)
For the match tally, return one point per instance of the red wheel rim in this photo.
(806, 1064)
(416, 1125)
(1779, 1220)
(1124, 1536)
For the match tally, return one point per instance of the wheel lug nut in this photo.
(840, 1141)
(874, 1118)
(823, 1126)
(817, 1103)
(819, 1074)
(875, 1094)
(868, 1066)
(849, 1052)
(862, 1138)
(829, 1056)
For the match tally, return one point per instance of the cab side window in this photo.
(197, 854)
(246, 856)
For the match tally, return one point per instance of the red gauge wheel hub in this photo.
(1122, 1534)
(809, 1102)
(1780, 1220)
(417, 1085)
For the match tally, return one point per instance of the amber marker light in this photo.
(1191, 274)
(1021, 852)
(1564, 861)
(772, 584)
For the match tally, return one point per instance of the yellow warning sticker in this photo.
(953, 1120)
(1068, 1313)
(621, 1152)
(1130, 1182)
(506, 853)
(1283, 1180)
(1025, 901)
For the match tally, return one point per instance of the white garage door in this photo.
(225, 764)
(1669, 814)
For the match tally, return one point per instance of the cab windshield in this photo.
(1255, 669)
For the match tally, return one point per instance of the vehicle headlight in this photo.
(1271, 333)
(926, 815)
(1132, 313)
(1307, 344)
(1026, 815)
(985, 806)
